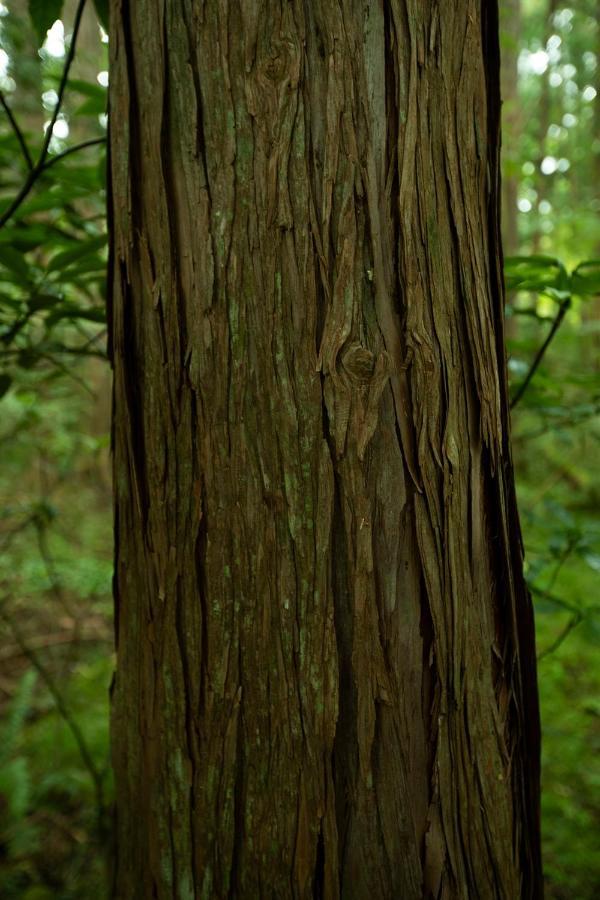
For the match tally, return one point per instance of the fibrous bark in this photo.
(326, 670)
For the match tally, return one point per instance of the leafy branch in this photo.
(562, 310)
(36, 170)
(547, 276)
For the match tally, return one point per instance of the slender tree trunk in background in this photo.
(544, 122)
(591, 309)
(326, 668)
(21, 43)
(510, 31)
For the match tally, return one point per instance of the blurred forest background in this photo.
(55, 494)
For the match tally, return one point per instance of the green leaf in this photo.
(5, 383)
(586, 278)
(556, 294)
(27, 358)
(43, 14)
(83, 248)
(42, 301)
(15, 262)
(90, 89)
(96, 314)
(102, 12)
(27, 238)
(93, 106)
(535, 273)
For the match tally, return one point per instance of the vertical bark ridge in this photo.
(326, 678)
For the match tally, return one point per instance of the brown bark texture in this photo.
(325, 684)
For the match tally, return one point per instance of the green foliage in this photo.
(43, 15)
(547, 275)
(49, 835)
(556, 442)
(17, 836)
(53, 245)
(55, 559)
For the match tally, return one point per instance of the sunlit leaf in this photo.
(535, 273)
(586, 278)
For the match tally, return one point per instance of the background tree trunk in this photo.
(326, 667)
(510, 30)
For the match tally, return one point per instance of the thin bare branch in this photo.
(54, 159)
(18, 133)
(541, 352)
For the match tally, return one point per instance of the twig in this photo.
(46, 641)
(552, 598)
(577, 616)
(531, 313)
(8, 538)
(18, 133)
(65, 714)
(559, 424)
(54, 159)
(571, 624)
(50, 566)
(80, 351)
(572, 542)
(540, 354)
(38, 168)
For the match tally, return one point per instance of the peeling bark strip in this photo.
(326, 681)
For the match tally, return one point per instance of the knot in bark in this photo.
(358, 363)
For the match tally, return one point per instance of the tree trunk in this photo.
(326, 668)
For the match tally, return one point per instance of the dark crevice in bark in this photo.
(200, 563)
(517, 632)
(235, 887)
(200, 139)
(167, 158)
(430, 675)
(134, 398)
(392, 181)
(379, 770)
(318, 884)
(345, 750)
(135, 143)
(344, 761)
(190, 715)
